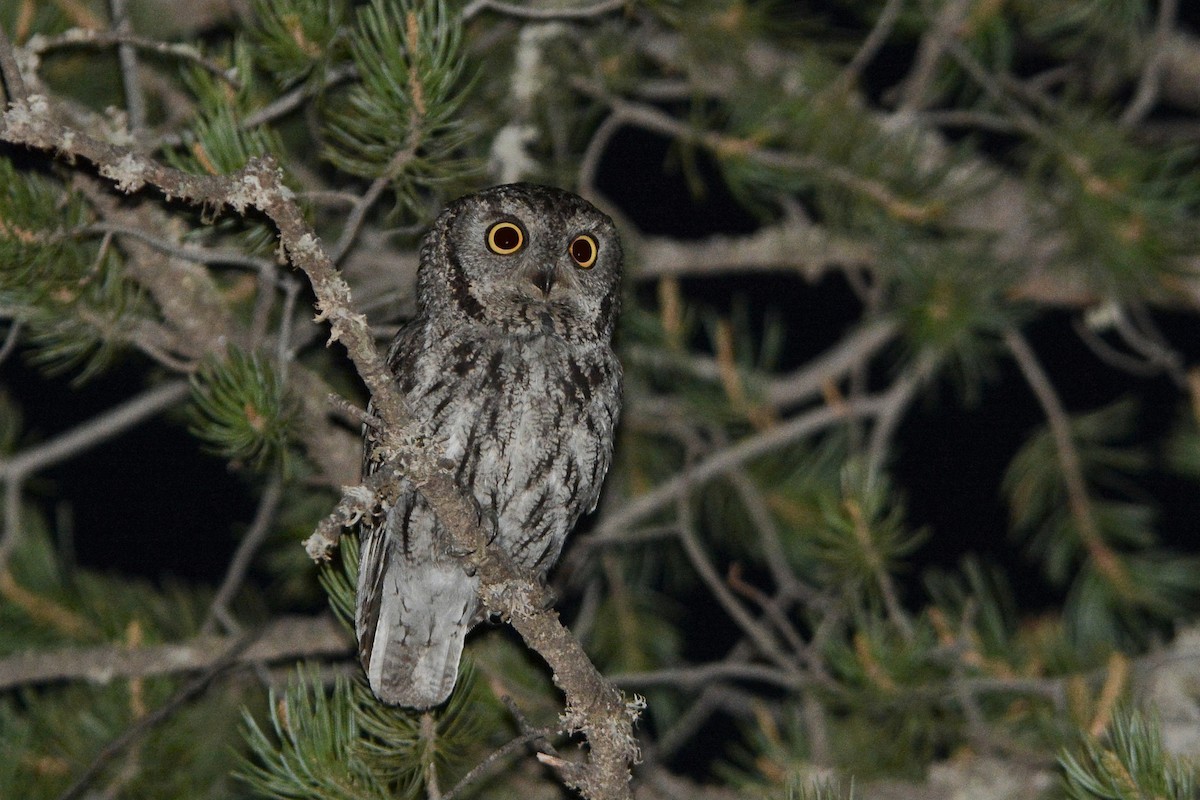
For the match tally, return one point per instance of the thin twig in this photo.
(758, 633)
(106, 38)
(611, 529)
(870, 46)
(1078, 501)
(358, 215)
(10, 340)
(715, 697)
(1139, 332)
(285, 353)
(688, 723)
(135, 99)
(568, 12)
(780, 392)
(188, 252)
(589, 162)
(1151, 78)
(774, 608)
(1109, 354)
(853, 350)
(293, 99)
(769, 537)
(649, 118)
(901, 395)
(14, 83)
(264, 304)
(427, 739)
(235, 574)
(703, 674)
(496, 758)
(914, 91)
(96, 430)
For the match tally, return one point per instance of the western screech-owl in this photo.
(508, 364)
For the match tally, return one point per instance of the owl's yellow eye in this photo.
(505, 238)
(583, 251)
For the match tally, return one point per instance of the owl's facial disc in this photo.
(528, 260)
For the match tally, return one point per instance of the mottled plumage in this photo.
(508, 363)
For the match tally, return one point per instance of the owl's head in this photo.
(527, 259)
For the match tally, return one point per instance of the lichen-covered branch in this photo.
(594, 707)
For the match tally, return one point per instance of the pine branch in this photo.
(593, 706)
(282, 641)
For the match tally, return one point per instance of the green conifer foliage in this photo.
(904, 491)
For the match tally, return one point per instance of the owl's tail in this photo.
(411, 627)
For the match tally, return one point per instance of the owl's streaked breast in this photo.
(529, 421)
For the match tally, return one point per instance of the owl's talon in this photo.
(454, 551)
(489, 521)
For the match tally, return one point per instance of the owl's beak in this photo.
(544, 280)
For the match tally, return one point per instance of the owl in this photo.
(509, 365)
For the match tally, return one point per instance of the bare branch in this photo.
(1151, 79)
(879, 34)
(235, 574)
(97, 37)
(496, 758)
(763, 640)
(285, 640)
(14, 82)
(523, 12)
(797, 246)
(15, 470)
(135, 100)
(91, 433)
(10, 340)
(1080, 504)
(188, 252)
(704, 674)
(914, 92)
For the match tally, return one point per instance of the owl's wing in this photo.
(414, 603)
(414, 607)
